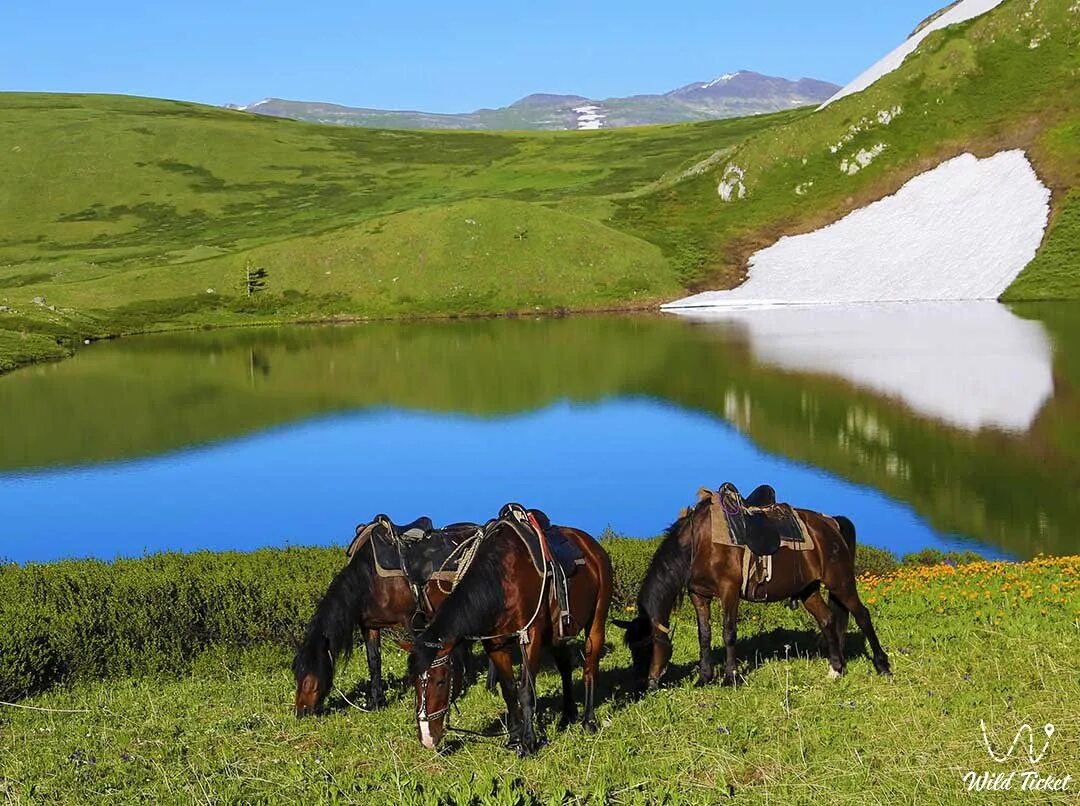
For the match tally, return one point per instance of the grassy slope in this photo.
(112, 202)
(976, 87)
(989, 642)
(121, 212)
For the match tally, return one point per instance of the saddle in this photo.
(552, 553)
(760, 527)
(417, 551)
(758, 522)
(565, 554)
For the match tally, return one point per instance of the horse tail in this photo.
(847, 531)
(839, 612)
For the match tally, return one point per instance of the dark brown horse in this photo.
(503, 600)
(689, 559)
(360, 597)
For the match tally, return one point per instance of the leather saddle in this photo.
(563, 551)
(757, 521)
(418, 551)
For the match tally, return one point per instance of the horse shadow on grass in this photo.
(618, 688)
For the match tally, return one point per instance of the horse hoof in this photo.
(729, 680)
(834, 675)
(704, 680)
(590, 725)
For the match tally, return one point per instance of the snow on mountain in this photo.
(962, 231)
(721, 80)
(730, 95)
(590, 116)
(960, 12)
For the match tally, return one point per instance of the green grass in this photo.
(993, 642)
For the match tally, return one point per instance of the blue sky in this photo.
(442, 56)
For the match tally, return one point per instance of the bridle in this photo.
(422, 714)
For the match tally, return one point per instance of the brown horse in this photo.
(361, 597)
(504, 600)
(688, 559)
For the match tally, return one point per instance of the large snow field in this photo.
(961, 231)
(971, 365)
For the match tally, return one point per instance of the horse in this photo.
(689, 559)
(362, 596)
(502, 600)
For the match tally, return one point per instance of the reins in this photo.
(523, 633)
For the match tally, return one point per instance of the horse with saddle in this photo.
(520, 584)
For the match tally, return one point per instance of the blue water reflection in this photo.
(625, 463)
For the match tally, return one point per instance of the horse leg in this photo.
(703, 606)
(503, 664)
(840, 621)
(849, 598)
(373, 647)
(564, 662)
(817, 608)
(729, 600)
(530, 665)
(590, 672)
(492, 675)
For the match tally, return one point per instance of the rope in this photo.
(349, 702)
(468, 549)
(46, 710)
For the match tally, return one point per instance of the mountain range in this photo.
(730, 95)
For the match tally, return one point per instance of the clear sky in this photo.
(436, 56)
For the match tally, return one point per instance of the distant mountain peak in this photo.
(728, 95)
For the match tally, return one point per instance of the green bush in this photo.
(938, 557)
(87, 619)
(82, 619)
(874, 561)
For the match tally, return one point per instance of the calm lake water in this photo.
(948, 426)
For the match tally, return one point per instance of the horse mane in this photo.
(332, 626)
(471, 609)
(669, 571)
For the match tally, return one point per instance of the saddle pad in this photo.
(419, 557)
(781, 526)
(564, 551)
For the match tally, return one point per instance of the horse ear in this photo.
(684, 512)
(704, 493)
(622, 623)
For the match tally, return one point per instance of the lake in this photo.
(946, 426)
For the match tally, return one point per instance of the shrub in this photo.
(80, 619)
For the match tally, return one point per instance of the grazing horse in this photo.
(689, 559)
(502, 600)
(364, 595)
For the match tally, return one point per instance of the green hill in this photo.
(123, 214)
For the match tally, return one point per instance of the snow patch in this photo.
(589, 117)
(883, 117)
(970, 364)
(887, 116)
(732, 184)
(961, 231)
(249, 107)
(966, 10)
(721, 80)
(862, 159)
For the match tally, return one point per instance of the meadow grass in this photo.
(984, 641)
